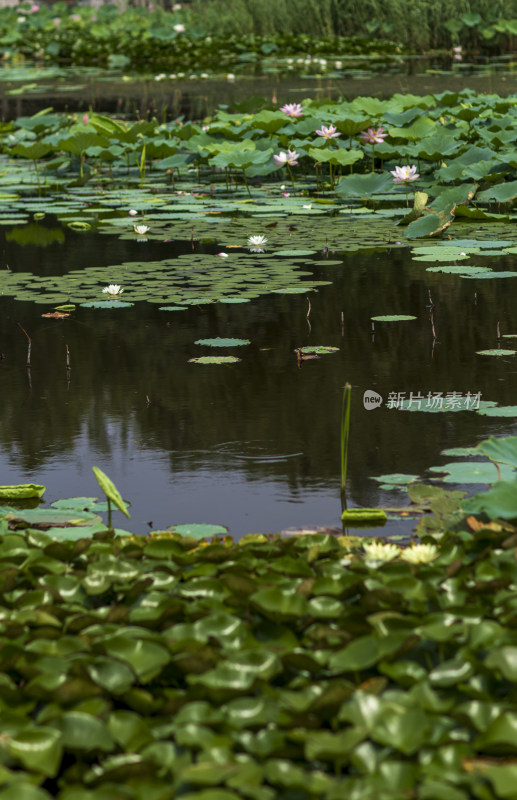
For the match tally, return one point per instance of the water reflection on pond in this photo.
(170, 96)
(254, 445)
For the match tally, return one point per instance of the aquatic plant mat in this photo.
(218, 185)
(305, 667)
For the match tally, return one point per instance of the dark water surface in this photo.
(194, 97)
(254, 445)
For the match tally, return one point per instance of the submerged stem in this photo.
(345, 432)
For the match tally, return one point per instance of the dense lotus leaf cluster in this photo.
(141, 38)
(461, 142)
(304, 667)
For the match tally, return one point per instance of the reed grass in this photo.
(419, 24)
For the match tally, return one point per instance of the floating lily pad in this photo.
(392, 318)
(317, 350)
(496, 352)
(21, 491)
(474, 472)
(398, 478)
(47, 517)
(220, 342)
(294, 252)
(499, 411)
(200, 530)
(460, 270)
(107, 304)
(459, 451)
(364, 517)
(214, 360)
(172, 308)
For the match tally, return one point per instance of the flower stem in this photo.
(291, 174)
(246, 182)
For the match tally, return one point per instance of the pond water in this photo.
(28, 89)
(252, 445)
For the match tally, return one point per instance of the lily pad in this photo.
(392, 318)
(499, 411)
(200, 530)
(317, 350)
(214, 360)
(474, 472)
(364, 517)
(496, 352)
(398, 478)
(220, 342)
(107, 304)
(21, 491)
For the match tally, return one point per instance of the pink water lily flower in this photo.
(287, 158)
(373, 135)
(328, 133)
(404, 174)
(292, 109)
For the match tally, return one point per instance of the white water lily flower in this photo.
(256, 241)
(419, 553)
(381, 551)
(132, 212)
(140, 229)
(286, 158)
(222, 255)
(404, 174)
(179, 27)
(113, 289)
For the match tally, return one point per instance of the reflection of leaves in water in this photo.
(35, 235)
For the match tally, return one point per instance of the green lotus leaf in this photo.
(200, 530)
(112, 674)
(49, 516)
(427, 225)
(21, 491)
(145, 658)
(279, 604)
(364, 185)
(500, 735)
(110, 490)
(498, 502)
(503, 778)
(342, 156)
(499, 449)
(83, 732)
(504, 659)
(23, 790)
(37, 749)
